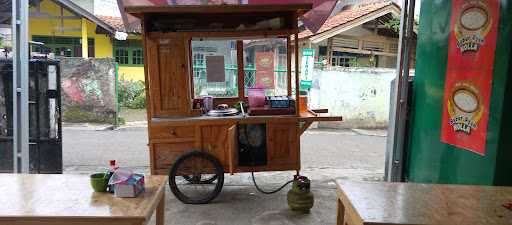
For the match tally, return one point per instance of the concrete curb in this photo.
(376, 132)
(87, 126)
(133, 124)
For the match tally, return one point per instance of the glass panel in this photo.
(343, 60)
(62, 46)
(90, 48)
(212, 84)
(265, 62)
(137, 57)
(121, 56)
(63, 51)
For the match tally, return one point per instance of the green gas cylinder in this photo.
(300, 197)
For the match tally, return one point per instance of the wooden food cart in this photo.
(196, 149)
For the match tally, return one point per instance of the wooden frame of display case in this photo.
(175, 128)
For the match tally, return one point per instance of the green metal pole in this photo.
(118, 108)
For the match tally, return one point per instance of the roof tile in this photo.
(114, 21)
(347, 15)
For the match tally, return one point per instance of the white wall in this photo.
(360, 95)
(417, 8)
(359, 31)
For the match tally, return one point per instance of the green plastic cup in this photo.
(99, 182)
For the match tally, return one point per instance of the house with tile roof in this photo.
(127, 53)
(69, 28)
(66, 29)
(358, 35)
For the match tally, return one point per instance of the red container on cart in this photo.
(256, 97)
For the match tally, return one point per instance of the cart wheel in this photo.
(201, 168)
(201, 179)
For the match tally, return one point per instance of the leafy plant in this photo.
(372, 62)
(121, 121)
(86, 114)
(393, 24)
(139, 102)
(353, 62)
(4, 43)
(132, 94)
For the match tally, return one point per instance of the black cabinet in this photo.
(45, 125)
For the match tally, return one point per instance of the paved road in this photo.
(326, 155)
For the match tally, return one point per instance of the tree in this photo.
(393, 24)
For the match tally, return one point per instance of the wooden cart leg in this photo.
(341, 213)
(160, 211)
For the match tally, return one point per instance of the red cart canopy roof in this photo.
(313, 19)
(178, 3)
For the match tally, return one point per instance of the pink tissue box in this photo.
(130, 188)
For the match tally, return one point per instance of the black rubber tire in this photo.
(219, 173)
(207, 181)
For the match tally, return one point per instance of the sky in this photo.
(106, 8)
(399, 2)
(417, 6)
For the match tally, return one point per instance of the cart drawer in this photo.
(166, 132)
(165, 154)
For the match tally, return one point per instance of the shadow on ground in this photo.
(239, 205)
(326, 155)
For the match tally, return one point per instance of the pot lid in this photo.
(223, 112)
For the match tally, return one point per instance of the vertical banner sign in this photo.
(265, 70)
(307, 65)
(469, 72)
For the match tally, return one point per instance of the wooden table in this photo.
(30, 199)
(407, 203)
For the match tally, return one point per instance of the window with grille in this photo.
(344, 61)
(62, 46)
(199, 59)
(199, 68)
(393, 48)
(121, 56)
(137, 57)
(201, 50)
(282, 70)
(129, 53)
(63, 51)
(334, 61)
(275, 79)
